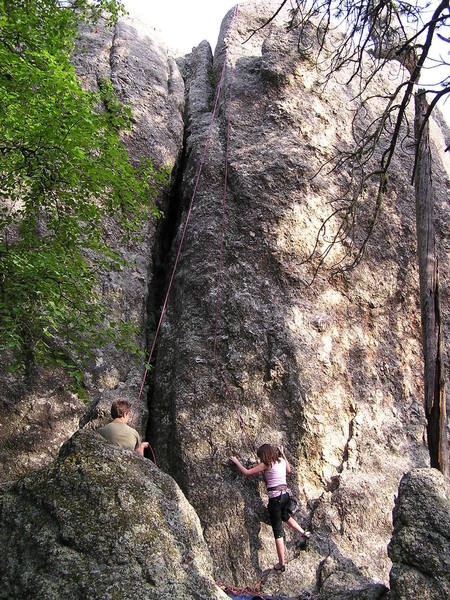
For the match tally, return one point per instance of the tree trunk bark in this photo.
(434, 383)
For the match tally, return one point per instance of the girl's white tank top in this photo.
(276, 475)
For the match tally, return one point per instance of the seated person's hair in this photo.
(120, 408)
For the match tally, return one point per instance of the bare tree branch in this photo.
(254, 31)
(386, 31)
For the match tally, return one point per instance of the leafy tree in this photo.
(63, 173)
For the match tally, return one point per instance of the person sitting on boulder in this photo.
(119, 432)
(275, 466)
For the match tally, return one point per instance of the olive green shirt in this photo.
(121, 434)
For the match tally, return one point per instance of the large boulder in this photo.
(104, 523)
(420, 544)
(333, 370)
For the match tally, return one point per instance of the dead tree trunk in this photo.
(434, 384)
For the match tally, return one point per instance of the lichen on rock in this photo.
(104, 523)
(420, 544)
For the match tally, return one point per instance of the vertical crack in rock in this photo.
(145, 78)
(333, 483)
(163, 260)
(171, 354)
(345, 454)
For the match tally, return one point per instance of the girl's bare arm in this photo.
(247, 472)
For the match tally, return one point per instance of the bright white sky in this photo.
(183, 23)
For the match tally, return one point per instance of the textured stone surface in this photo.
(148, 80)
(34, 424)
(145, 77)
(332, 370)
(339, 580)
(420, 544)
(101, 522)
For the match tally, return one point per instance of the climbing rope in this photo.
(220, 270)
(194, 193)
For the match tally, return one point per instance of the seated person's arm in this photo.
(140, 449)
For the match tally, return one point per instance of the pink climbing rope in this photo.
(220, 270)
(194, 193)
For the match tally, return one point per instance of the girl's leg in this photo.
(274, 509)
(294, 525)
(279, 543)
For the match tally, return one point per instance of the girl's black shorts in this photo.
(278, 512)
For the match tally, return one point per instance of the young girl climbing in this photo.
(275, 466)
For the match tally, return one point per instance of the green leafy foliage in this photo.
(63, 173)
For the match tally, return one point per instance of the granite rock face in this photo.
(332, 370)
(146, 78)
(420, 545)
(101, 522)
(34, 424)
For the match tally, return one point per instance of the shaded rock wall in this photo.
(147, 79)
(333, 370)
(34, 424)
(101, 522)
(420, 545)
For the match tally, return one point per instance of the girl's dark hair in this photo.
(120, 408)
(268, 454)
